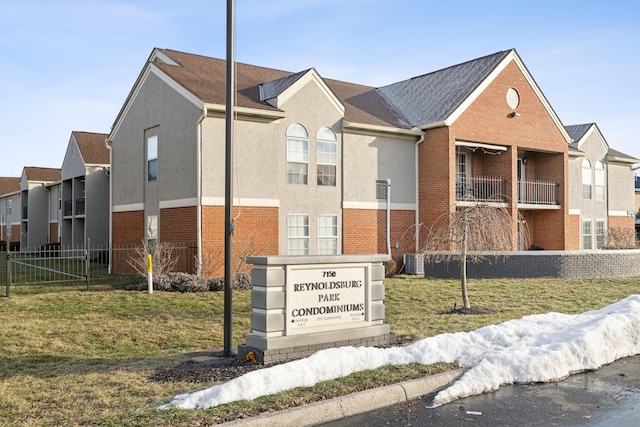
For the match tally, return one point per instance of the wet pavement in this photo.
(607, 397)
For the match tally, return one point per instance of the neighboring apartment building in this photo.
(309, 151)
(10, 209)
(601, 193)
(85, 191)
(37, 225)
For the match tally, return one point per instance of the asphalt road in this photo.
(608, 397)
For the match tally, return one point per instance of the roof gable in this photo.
(434, 97)
(280, 90)
(92, 147)
(439, 98)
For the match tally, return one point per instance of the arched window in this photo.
(297, 154)
(586, 179)
(599, 177)
(326, 145)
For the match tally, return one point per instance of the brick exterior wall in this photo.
(256, 234)
(573, 240)
(365, 232)
(178, 225)
(15, 233)
(486, 120)
(128, 232)
(128, 228)
(53, 232)
(622, 222)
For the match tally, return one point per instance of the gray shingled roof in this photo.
(576, 132)
(435, 96)
(274, 88)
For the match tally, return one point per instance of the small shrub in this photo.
(185, 282)
(389, 268)
(620, 238)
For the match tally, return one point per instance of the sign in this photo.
(326, 297)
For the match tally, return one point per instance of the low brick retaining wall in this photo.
(530, 264)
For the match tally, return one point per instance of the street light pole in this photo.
(228, 193)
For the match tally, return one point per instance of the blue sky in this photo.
(70, 64)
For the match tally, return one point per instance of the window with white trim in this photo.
(297, 154)
(587, 234)
(599, 177)
(327, 234)
(298, 234)
(152, 158)
(462, 174)
(599, 229)
(326, 147)
(152, 228)
(586, 179)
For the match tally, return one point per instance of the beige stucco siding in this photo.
(621, 191)
(156, 105)
(595, 150)
(371, 157)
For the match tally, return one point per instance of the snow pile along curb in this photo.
(536, 348)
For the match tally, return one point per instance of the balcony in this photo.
(481, 189)
(538, 193)
(68, 207)
(493, 189)
(80, 206)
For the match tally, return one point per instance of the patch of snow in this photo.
(537, 348)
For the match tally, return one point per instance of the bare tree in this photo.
(212, 262)
(245, 248)
(162, 255)
(620, 238)
(466, 234)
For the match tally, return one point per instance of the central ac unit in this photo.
(414, 264)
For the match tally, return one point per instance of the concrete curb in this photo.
(351, 404)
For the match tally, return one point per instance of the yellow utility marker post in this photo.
(150, 273)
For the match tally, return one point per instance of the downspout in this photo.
(108, 143)
(417, 163)
(199, 189)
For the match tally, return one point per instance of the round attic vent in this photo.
(513, 99)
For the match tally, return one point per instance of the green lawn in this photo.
(72, 357)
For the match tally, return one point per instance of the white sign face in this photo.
(326, 298)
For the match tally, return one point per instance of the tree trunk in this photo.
(463, 264)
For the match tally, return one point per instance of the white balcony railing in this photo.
(481, 188)
(538, 192)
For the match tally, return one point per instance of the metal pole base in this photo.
(227, 353)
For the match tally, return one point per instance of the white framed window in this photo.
(298, 234)
(586, 179)
(587, 234)
(599, 232)
(152, 228)
(462, 175)
(599, 178)
(326, 157)
(152, 158)
(327, 234)
(297, 154)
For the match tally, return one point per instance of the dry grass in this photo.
(78, 358)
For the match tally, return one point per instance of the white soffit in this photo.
(473, 145)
